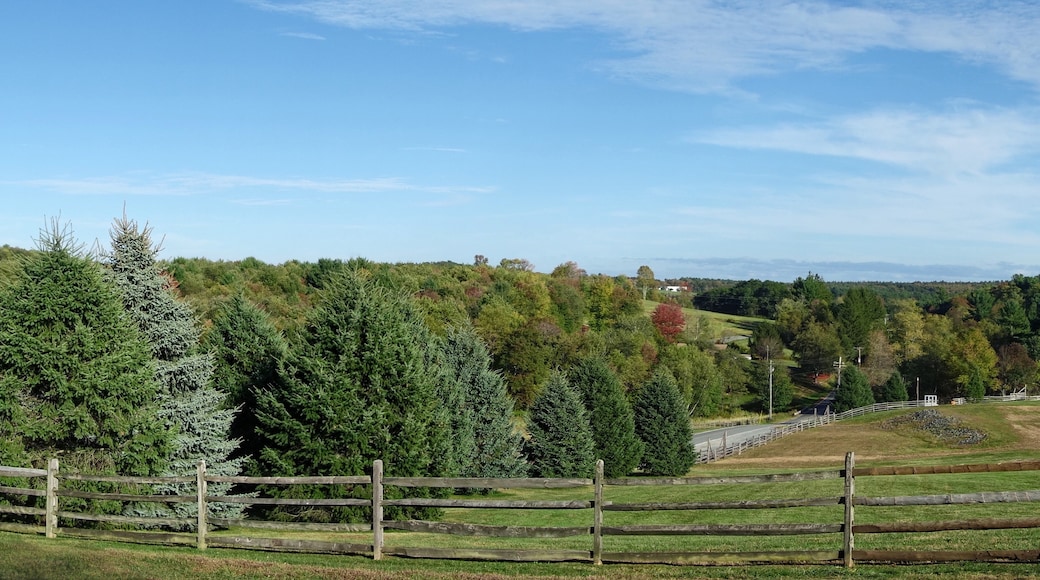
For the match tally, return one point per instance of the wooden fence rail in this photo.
(41, 493)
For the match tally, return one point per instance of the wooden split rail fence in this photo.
(63, 522)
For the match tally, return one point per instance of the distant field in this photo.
(1013, 434)
(715, 325)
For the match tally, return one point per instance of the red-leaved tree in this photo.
(669, 320)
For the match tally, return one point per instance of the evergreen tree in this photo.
(854, 391)
(975, 388)
(610, 415)
(355, 386)
(496, 445)
(894, 389)
(75, 377)
(188, 402)
(561, 443)
(663, 424)
(783, 388)
(246, 349)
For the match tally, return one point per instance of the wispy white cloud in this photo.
(707, 45)
(303, 35)
(944, 143)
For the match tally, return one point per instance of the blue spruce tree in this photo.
(188, 402)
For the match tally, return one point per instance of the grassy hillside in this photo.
(1012, 429)
(714, 326)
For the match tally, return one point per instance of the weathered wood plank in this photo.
(953, 498)
(22, 510)
(288, 501)
(724, 505)
(313, 479)
(903, 556)
(160, 538)
(22, 472)
(23, 491)
(974, 525)
(721, 558)
(126, 496)
(291, 526)
(487, 554)
(22, 528)
(288, 545)
(947, 469)
(488, 503)
(128, 479)
(488, 482)
(721, 529)
(171, 522)
(463, 529)
(769, 478)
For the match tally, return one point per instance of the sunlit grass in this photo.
(821, 449)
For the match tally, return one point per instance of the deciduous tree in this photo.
(645, 280)
(669, 320)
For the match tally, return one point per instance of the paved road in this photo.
(734, 435)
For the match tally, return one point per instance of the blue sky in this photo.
(861, 141)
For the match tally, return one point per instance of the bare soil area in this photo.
(1026, 423)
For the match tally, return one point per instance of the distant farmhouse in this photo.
(680, 287)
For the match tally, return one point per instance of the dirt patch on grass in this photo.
(1025, 420)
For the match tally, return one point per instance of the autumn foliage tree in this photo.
(669, 320)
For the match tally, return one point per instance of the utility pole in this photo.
(859, 355)
(839, 365)
(771, 368)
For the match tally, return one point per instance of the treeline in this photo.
(445, 368)
(984, 342)
(761, 297)
(104, 362)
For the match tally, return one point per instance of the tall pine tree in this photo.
(75, 377)
(854, 391)
(188, 402)
(355, 386)
(663, 424)
(561, 442)
(486, 416)
(246, 349)
(610, 415)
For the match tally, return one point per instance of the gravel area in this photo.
(947, 429)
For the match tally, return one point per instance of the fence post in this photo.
(51, 518)
(377, 509)
(597, 517)
(850, 510)
(200, 490)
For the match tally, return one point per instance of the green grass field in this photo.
(1013, 434)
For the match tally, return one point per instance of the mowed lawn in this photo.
(1013, 434)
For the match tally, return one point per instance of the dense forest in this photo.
(126, 362)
